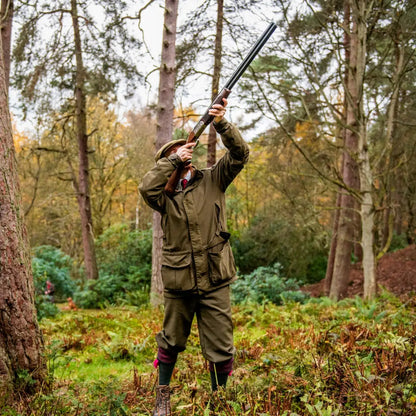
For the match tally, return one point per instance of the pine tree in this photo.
(21, 344)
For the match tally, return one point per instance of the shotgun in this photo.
(206, 119)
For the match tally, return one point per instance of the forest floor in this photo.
(396, 272)
(321, 358)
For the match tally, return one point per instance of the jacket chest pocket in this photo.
(177, 271)
(221, 266)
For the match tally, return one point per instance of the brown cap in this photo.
(160, 153)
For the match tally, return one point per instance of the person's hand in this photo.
(185, 152)
(218, 110)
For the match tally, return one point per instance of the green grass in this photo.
(320, 358)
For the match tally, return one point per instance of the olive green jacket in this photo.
(196, 253)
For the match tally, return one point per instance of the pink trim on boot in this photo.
(156, 363)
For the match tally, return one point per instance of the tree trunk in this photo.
(334, 240)
(21, 344)
(391, 150)
(331, 257)
(361, 9)
(6, 36)
(345, 231)
(164, 128)
(367, 219)
(212, 135)
(83, 191)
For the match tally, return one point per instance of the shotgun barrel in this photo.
(250, 56)
(206, 119)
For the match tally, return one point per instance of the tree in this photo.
(361, 12)
(394, 47)
(82, 185)
(74, 67)
(344, 223)
(139, 138)
(356, 93)
(121, 152)
(21, 344)
(212, 135)
(372, 159)
(6, 36)
(204, 58)
(164, 128)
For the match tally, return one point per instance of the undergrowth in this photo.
(320, 358)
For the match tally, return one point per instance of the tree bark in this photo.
(361, 9)
(345, 230)
(82, 187)
(6, 36)
(212, 135)
(164, 128)
(334, 240)
(331, 257)
(391, 151)
(21, 343)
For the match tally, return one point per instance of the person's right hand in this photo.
(185, 152)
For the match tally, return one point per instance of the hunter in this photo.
(197, 261)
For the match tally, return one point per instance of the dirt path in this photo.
(395, 271)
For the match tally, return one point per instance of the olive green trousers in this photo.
(215, 327)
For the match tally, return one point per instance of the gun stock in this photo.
(173, 181)
(206, 119)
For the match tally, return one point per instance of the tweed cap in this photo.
(160, 153)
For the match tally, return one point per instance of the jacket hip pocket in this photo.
(221, 266)
(177, 271)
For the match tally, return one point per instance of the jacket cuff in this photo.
(175, 160)
(221, 126)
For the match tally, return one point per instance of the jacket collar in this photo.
(194, 181)
(196, 178)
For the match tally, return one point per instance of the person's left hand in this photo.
(218, 110)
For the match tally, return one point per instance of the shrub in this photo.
(87, 299)
(398, 242)
(108, 290)
(122, 252)
(300, 251)
(50, 263)
(265, 284)
(125, 259)
(44, 307)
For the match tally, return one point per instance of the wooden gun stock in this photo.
(174, 179)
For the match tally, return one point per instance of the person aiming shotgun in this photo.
(197, 262)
